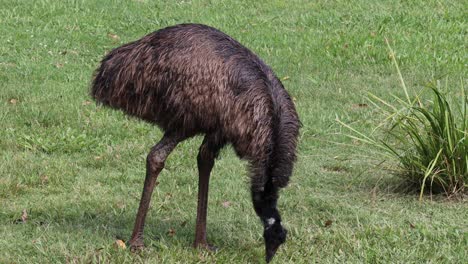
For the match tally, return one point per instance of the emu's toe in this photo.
(206, 246)
(136, 245)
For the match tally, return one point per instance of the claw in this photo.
(136, 245)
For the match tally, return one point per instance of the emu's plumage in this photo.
(192, 79)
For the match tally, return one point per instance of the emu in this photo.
(192, 79)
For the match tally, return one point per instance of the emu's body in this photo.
(193, 79)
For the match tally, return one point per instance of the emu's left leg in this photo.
(274, 233)
(154, 164)
(208, 152)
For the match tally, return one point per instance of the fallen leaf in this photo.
(44, 179)
(285, 78)
(24, 216)
(328, 223)
(201, 257)
(171, 231)
(23, 219)
(121, 205)
(86, 102)
(120, 244)
(226, 204)
(59, 65)
(13, 101)
(361, 105)
(113, 36)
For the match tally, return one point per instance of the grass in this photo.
(78, 170)
(428, 138)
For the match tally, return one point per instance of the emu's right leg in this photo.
(154, 164)
(206, 156)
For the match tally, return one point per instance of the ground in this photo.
(78, 169)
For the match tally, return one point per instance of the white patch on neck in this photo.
(270, 221)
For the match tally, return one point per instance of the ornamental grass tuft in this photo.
(427, 137)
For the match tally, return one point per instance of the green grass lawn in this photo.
(78, 169)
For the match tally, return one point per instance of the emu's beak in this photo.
(271, 251)
(274, 236)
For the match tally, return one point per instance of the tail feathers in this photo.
(104, 80)
(286, 132)
(99, 87)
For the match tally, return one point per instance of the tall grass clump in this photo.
(427, 137)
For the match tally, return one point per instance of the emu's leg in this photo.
(154, 164)
(265, 206)
(208, 152)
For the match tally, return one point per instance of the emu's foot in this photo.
(136, 245)
(205, 246)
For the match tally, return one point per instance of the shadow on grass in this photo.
(105, 225)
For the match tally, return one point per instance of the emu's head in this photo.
(274, 235)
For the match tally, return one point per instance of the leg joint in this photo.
(155, 160)
(158, 154)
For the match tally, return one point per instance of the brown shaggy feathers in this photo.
(193, 79)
